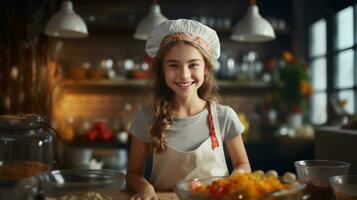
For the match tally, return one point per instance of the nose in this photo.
(185, 72)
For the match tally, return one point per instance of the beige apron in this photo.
(173, 165)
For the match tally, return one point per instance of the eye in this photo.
(172, 65)
(193, 65)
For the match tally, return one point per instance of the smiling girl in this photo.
(185, 128)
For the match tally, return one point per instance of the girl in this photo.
(184, 128)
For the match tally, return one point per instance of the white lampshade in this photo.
(253, 27)
(66, 23)
(146, 25)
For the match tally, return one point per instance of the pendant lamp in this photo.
(253, 27)
(147, 24)
(66, 23)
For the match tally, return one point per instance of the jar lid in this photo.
(21, 122)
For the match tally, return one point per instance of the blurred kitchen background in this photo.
(295, 94)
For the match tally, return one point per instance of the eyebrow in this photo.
(192, 60)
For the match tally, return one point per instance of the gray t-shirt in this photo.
(187, 133)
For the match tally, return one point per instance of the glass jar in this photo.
(26, 149)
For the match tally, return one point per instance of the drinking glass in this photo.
(345, 187)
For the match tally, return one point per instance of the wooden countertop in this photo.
(161, 195)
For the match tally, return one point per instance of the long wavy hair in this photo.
(163, 95)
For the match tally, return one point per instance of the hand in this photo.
(148, 193)
(238, 171)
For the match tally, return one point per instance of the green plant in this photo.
(294, 77)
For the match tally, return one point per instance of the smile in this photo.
(184, 84)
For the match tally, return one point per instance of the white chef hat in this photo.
(187, 30)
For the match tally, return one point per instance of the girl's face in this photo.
(184, 70)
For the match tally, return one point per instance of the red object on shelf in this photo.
(99, 132)
(296, 108)
(92, 135)
(139, 74)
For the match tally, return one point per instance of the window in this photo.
(318, 71)
(344, 51)
(338, 60)
(318, 38)
(344, 31)
(344, 69)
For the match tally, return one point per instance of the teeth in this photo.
(183, 84)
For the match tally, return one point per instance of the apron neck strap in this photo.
(212, 131)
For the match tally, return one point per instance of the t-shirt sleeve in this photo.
(141, 124)
(232, 125)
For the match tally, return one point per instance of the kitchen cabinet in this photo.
(279, 153)
(344, 142)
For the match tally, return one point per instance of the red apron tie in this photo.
(212, 132)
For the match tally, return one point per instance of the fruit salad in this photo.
(246, 185)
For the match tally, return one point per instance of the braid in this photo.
(162, 121)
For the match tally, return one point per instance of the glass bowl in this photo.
(316, 174)
(344, 187)
(25, 188)
(183, 191)
(81, 184)
(319, 171)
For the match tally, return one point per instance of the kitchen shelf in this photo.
(139, 86)
(109, 144)
(106, 85)
(245, 88)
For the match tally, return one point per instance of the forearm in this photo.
(137, 182)
(238, 155)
